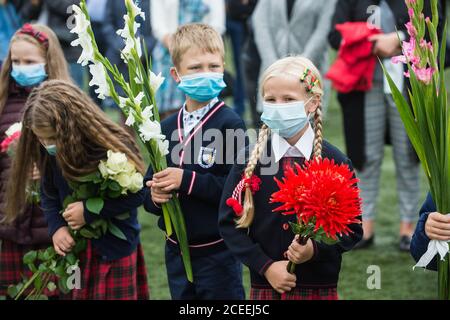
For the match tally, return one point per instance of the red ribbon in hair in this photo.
(41, 37)
(235, 201)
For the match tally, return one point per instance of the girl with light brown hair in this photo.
(67, 136)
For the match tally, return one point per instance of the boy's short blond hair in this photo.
(196, 35)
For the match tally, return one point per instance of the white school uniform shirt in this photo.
(164, 16)
(303, 148)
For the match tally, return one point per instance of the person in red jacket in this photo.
(34, 56)
(370, 116)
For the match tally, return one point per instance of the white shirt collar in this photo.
(303, 148)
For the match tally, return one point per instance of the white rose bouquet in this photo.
(114, 178)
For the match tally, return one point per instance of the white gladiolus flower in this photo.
(131, 119)
(156, 81)
(163, 146)
(150, 130)
(138, 99)
(123, 102)
(81, 21)
(84, 39)
(99, 75)
(129, 38)
(87, 54)
(147, 113)
(16, 127)
(135, 10)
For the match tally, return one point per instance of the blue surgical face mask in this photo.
(29, 75)
(51, 149)
(286, 119)
(202, 87)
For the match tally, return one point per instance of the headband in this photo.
(41, 37)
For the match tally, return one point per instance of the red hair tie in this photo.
(235, 201)
(41, 37)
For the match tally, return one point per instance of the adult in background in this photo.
(238, 11)
(371, 117)
(293, 27)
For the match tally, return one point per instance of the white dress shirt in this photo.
(303, 148)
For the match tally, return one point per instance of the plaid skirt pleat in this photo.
(294, 294)
(12, 269)
(122, 279)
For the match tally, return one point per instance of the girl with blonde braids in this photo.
(291, 89)
(66, 135)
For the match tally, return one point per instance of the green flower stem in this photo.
(27, 284)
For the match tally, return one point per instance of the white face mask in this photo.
(287, 119)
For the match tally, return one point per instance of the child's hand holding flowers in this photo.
(74, 215)
(298, 253)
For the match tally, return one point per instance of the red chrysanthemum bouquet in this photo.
(325, 198)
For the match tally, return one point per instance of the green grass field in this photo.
(398, 280)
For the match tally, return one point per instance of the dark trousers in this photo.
(237, 32)
(217, 276)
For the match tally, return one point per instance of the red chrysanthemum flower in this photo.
(323, 193)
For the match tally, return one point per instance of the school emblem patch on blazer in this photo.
(206, 157)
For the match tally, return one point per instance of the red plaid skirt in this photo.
(12, 267)
(294, 294)
(122, 279)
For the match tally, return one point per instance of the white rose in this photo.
(103, 169)
(137, 182)
(116, 162)
(124, 180)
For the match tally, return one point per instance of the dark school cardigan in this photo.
(270, 235)
(420, 240)
(54, 189)
(352, 103)
(204, 174)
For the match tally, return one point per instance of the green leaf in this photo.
(62, 285)
(123, 216)
(114, 186)
(87, 233)
(95, 205)
(80, 246)
(116, 231)
(114, 194)
(38, 283)
(90, 177)
(30, 257)
(13, 290)
(71, 259)
(296, 228)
